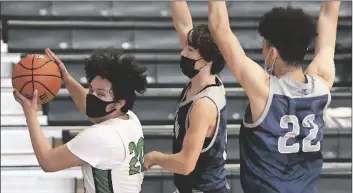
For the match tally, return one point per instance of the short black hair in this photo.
(290, 30)
(201, 39)
(122, 71)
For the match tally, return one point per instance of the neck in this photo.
(113, 115)
(296, 73)
(202, 80)
(119, 115)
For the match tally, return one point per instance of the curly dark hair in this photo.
(202, 40)
(290, 30)
(124, 73)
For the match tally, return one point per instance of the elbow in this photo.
(48, 168)
(188, 168)
(214, 27)
(217, 24)
(218, 30)
(213, 24)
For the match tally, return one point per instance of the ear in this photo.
(275, 52)
(120, 104)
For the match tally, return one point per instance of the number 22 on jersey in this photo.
(136, 162)
(308, 122)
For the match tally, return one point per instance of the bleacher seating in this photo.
(157, 138)
(73, 29)
(147, 9)
(156, 180)
(137, 37)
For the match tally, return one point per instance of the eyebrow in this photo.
(101, 89)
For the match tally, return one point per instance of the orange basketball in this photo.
(39, 72)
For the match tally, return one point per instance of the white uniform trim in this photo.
(217, 95)
(264, 113)
(288, 87)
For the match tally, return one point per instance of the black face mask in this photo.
(95, 107)
(187, 66)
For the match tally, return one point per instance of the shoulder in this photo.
(204, 108)
(217, 95)
(105, 129)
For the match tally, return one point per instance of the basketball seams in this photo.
(33, 73)
(45, 87)
(37, 67)
(25, 75)
(24, 86)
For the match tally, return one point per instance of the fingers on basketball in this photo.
(20, 98)
(34, 97)
(57, 60)
(53, 56)
(47, 52)
(16, 97)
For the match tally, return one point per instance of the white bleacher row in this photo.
(18, 180)
(34, 180)
(11, 111)
(6, 60)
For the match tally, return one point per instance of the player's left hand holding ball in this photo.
(29, 106)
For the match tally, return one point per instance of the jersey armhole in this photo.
(264, 113)
(216, 125)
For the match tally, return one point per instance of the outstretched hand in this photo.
(29, 106)
(64, 74)
(148, 161)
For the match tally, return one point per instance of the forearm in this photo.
(227, 42)
(181, 15)
(218, 16)
(327, 25)
(175, 163)
(330, 9)
(77, 92)
(40, 144)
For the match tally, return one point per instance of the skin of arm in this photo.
(182, 20)
(248, 73)
(203, 113)
(76, 90)
(323, 64)
(50, 159)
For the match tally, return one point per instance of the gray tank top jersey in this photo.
(281, 151)
(209, 173)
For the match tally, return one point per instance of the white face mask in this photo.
(270, 70)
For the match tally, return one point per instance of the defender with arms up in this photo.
(199, 140)
(110, 152)
(282, 130)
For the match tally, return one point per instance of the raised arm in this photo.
(76, 90)
(323, 63)
(182, 20)
(249, 74)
